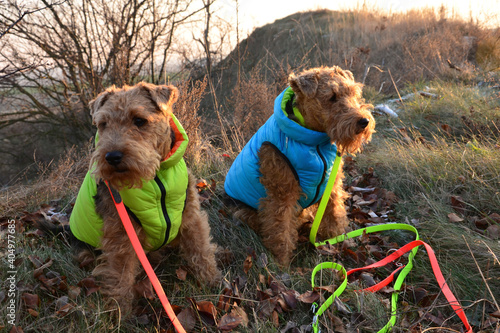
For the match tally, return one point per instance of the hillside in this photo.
(385, 53)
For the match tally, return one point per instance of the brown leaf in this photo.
(181, 274)
(458, 204)
(495, 314)
(338, 325)
(16, 329)
(74, 292)
(309, 297)
(454, 218)
(207, 307)
(89, 284)
(446, 128)
(32, 301)
(276, 319)
(144, 288)
(242, 314)
(33, 313)
(224, 302)
(187, 318)
(247, 264)
(202, 184)
(493, 231)
(266, 308)
(288, 300)
(229, 321)
(64, 310)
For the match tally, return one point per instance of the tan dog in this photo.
(282, 171)
(139, 152)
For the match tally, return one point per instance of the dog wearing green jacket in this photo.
(281, 174)
(139, 151)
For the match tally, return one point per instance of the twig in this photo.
(482, 275)
(394, 83)
(491, 252)
(440, 328)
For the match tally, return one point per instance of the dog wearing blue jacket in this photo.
(281, 173)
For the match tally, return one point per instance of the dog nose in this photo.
(363, 122)
(114, 157)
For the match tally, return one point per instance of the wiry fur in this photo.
(331, 102)
(115, 112)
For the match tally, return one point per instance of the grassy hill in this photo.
(435, 166)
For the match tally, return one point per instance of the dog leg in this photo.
(278, 211)
(118, 265)
(250, 216)
(194, 239)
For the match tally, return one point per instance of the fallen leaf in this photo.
(229, 321)
(181, 274)
(493, 231)
(458, 204)
(16, 329)
(276, 319)
(309, 297)
(33, 313)
(64, 310)
(32, 301)
(446, 128)
(266, 308)
(224, 302)
(187, 318)
(495, 314)
(454, 218)
(207, 311)
(242, 314)
(247, 264)
(74, 292)
(144, 288)
(89, 284)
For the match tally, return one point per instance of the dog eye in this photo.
(101, 126)
(139, 122)
(333, 99)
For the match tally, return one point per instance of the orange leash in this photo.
(435, 268)
(120, 207)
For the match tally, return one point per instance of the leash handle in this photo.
(411, 247)
(136, 244)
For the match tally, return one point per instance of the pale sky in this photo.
(255, 13)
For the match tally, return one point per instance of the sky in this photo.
(255, 13)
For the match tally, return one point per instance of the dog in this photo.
(281, 173)
(139, 152)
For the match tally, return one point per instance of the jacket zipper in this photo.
(164, 209)
(323, 176)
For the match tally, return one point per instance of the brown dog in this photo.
(282, 171)
(139, 151)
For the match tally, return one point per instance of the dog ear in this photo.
(163, 96)
(99, 101)
(306, 83)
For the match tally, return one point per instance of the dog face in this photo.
(331, 102)
(134, 132)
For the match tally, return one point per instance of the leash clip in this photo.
(395, 262)
(314, 307)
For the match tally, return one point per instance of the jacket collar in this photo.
(179, 147)
(291, 128)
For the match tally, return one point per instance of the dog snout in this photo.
(363, 122)
(114, 157)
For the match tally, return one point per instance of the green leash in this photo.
(356, 233)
